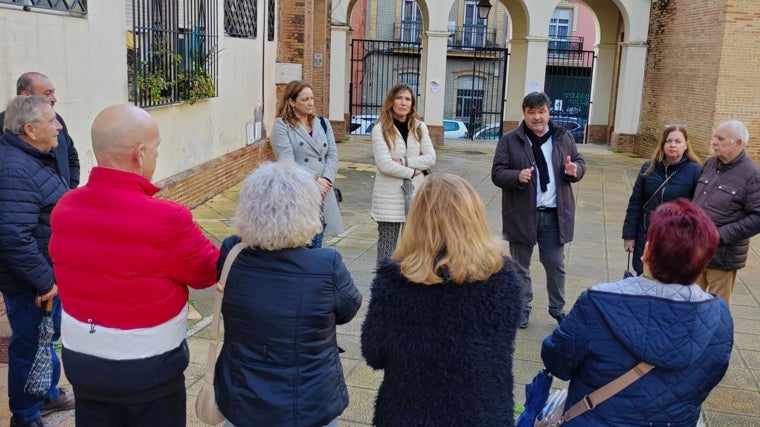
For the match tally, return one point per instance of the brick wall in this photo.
(196, 185)
(701, 69)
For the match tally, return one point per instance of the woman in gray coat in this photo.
(299, 135)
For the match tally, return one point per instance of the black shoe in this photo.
(524, 320)
(64, 402)
(36, 423)
(559, 317)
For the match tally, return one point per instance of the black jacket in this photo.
(652, 190)
(446, 349)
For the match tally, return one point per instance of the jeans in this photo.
(24, 319)
(552, 256)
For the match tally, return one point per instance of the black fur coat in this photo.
(446, 349)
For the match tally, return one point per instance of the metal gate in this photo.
(480, 89)
(569, 72)
(377, 65)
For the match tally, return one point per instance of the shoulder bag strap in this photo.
(590, 401)
(216, 313)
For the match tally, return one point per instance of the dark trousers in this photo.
(167, 411)
(552, 256)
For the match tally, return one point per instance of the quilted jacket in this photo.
(279, 364)
(730, 194)
(684, 332)
(446, 349)
(649, 192)
(30, 187)
(387, 196)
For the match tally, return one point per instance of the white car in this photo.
(454, 129)
(362, 124)
(488, 132)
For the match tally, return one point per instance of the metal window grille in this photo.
(174, 53)
(73, 7)
(270, 20)
(240, 18)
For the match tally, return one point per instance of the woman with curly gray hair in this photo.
(279, 363)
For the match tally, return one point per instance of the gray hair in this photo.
(22, 110)
(279, 207)
(738, 130)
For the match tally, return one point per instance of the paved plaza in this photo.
(596, 255)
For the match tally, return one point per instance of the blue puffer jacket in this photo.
(684, 332)
(30, 186)
(279, 364)
(664, 184)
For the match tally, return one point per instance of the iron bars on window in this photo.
(240, 18)
(173, 54)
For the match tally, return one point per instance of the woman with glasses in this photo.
(672, 172)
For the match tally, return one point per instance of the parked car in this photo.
(362, 124)
(575, 125)
(489, 132)
(454, 129)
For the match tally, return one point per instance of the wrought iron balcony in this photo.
(464, 37)
(566, 43)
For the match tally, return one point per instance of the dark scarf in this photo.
(403, 128)
(537, 142)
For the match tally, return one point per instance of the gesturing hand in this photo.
(571, 169)
(525, 175)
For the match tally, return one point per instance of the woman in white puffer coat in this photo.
(402, 149)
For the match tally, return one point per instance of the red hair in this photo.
(682, 239)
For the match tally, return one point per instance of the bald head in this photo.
(126, 138)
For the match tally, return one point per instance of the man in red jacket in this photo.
(123, 262)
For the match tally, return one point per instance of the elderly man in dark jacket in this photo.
(534, 165)
(30, 186)
(729, 191)
(66, 156)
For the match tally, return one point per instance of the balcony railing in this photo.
(72, 7)
(464, 37)
(571, 43)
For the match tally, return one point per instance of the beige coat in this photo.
(387, 196)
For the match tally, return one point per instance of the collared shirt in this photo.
(547, 198)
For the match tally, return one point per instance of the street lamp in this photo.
(484, 7)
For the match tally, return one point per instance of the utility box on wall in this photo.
(286, 73)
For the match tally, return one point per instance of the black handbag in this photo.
(338, 194)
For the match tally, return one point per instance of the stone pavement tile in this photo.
(721, 419)
(743, 312)
(361, 406)
(364, 376)
(731, 400)
(747, 341)
(751, 358)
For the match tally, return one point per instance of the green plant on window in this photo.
(152, 87)
(195, 85)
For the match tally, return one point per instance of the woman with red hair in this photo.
(661, 317)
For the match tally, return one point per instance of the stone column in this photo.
(433, 82)
(630, 89)
(527, 72)
(340, 71)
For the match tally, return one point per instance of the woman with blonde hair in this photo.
(672, 172)
(279, 363)
(443, 316)
(298, 134)
(402, 150)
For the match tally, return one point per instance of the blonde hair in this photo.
(659, 153)
(386, 117)
(446, 236)
(284, 110)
